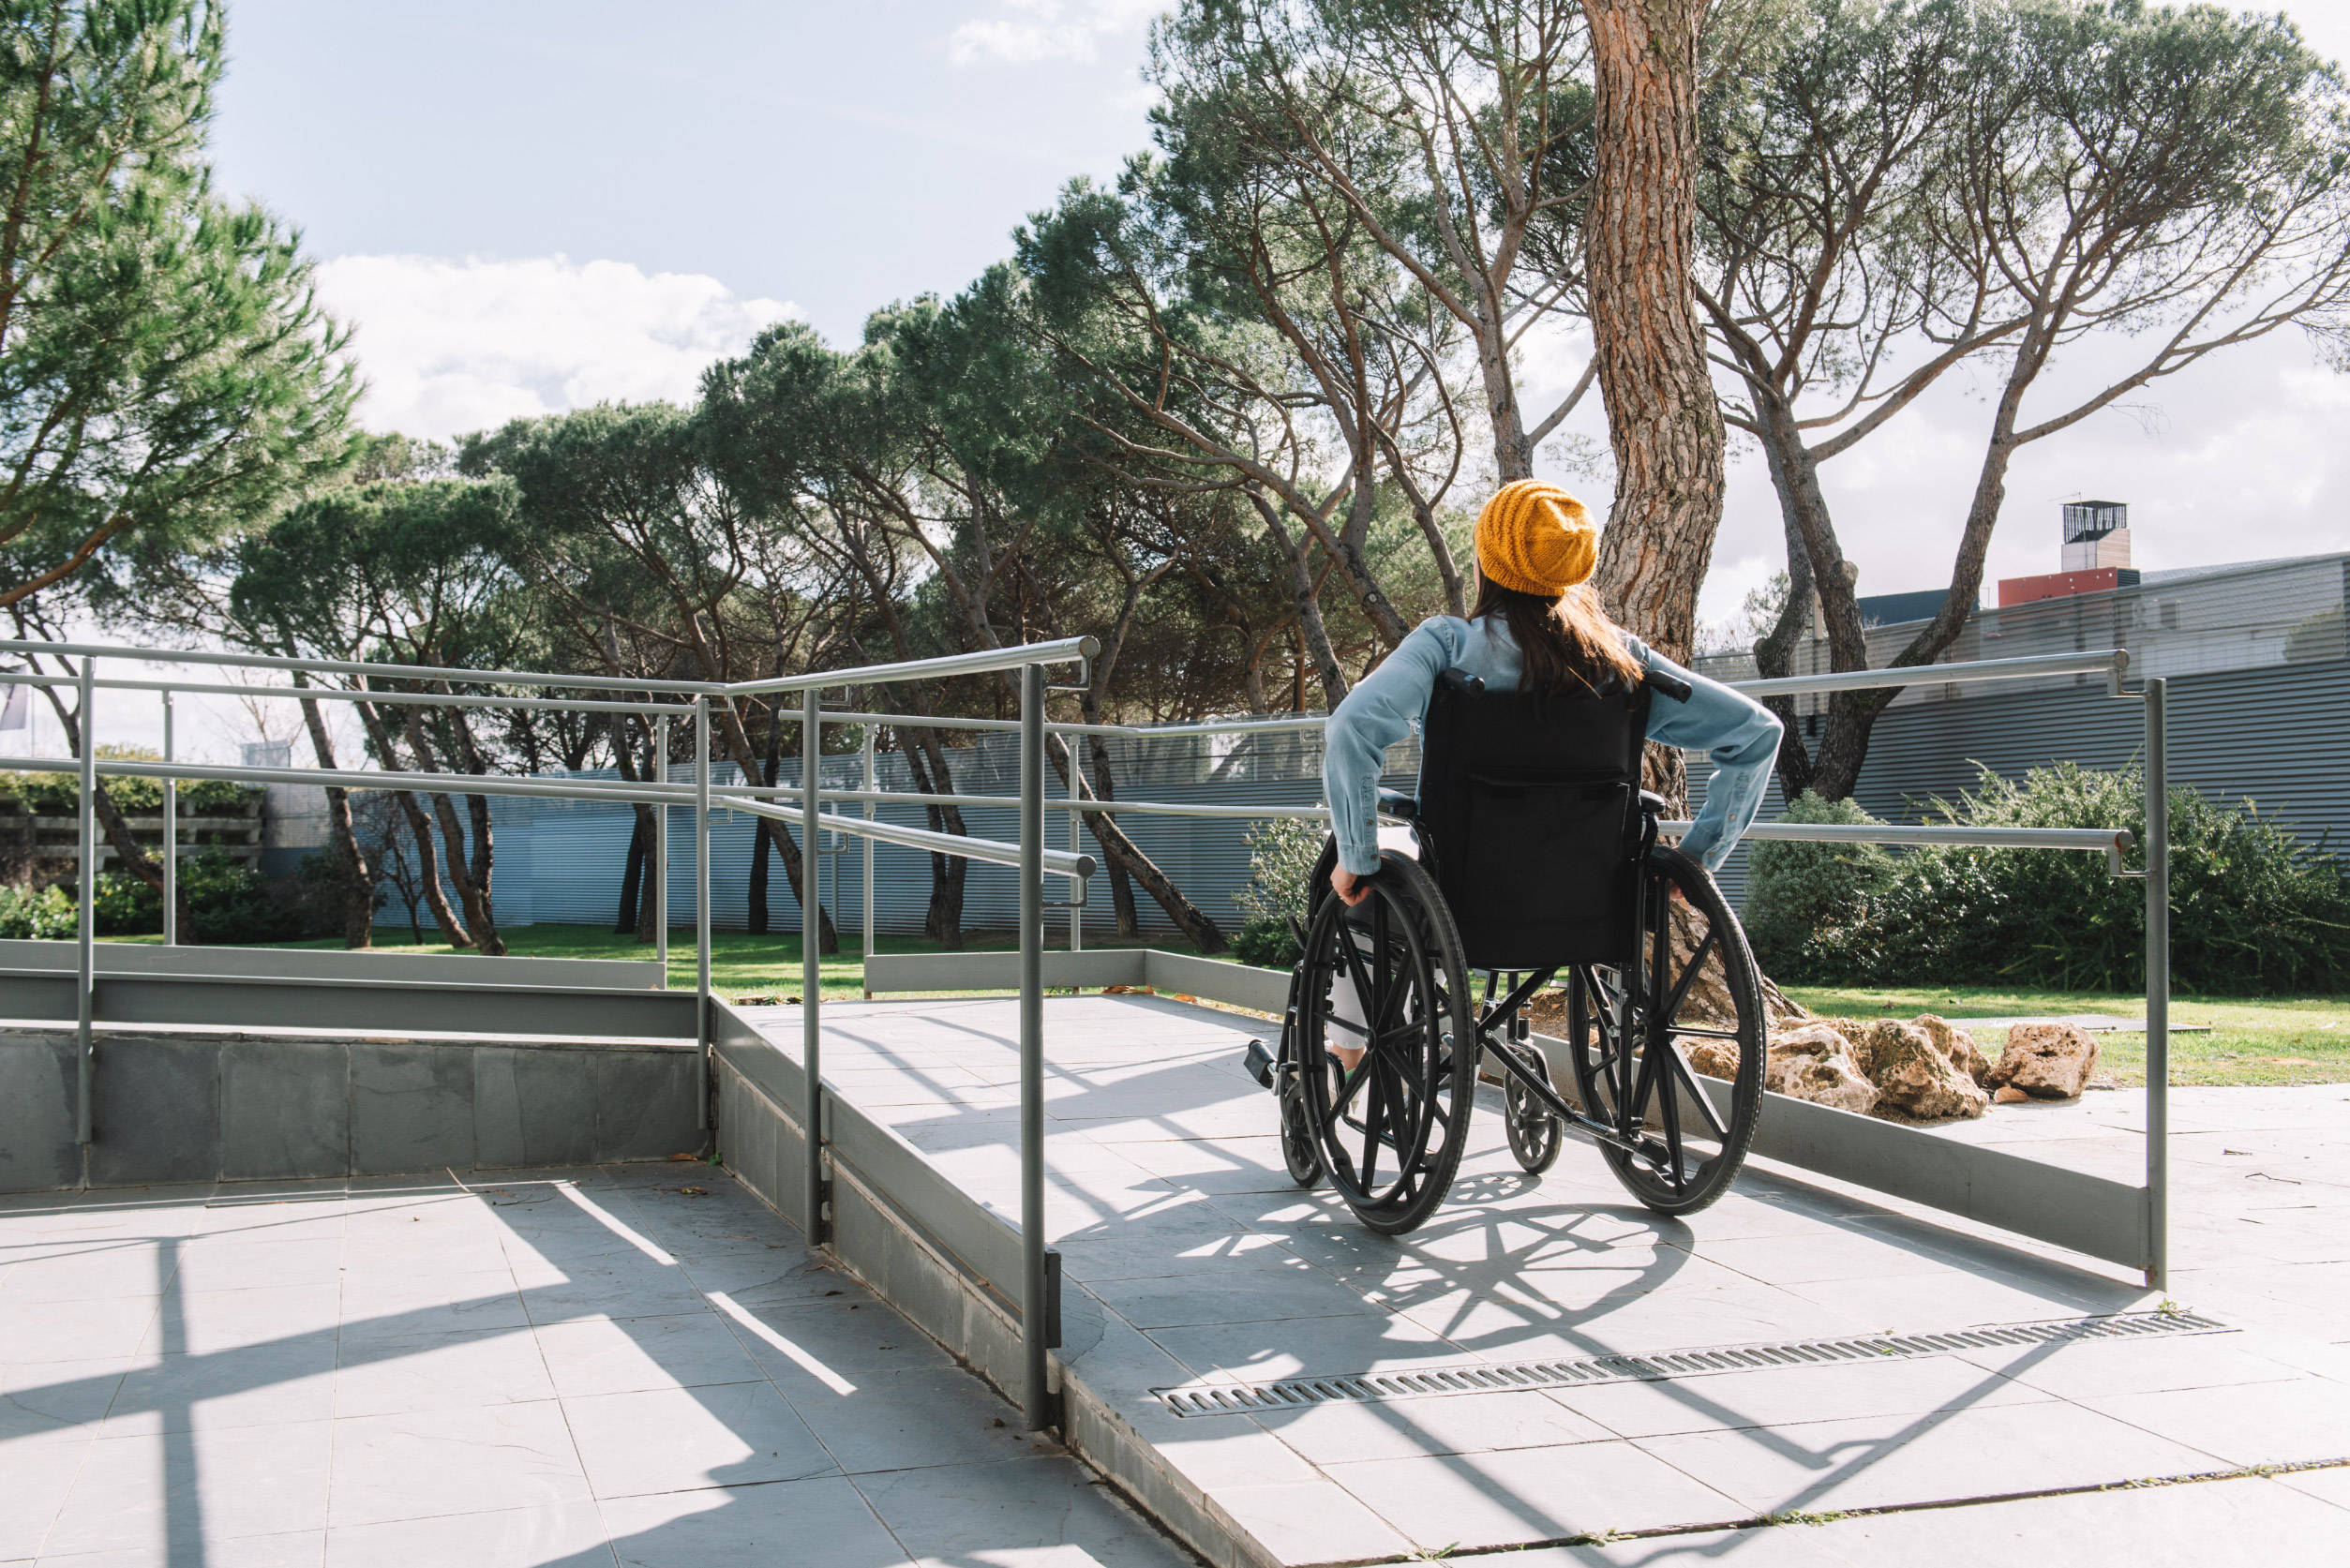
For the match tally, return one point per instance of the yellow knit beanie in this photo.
(1536, 538)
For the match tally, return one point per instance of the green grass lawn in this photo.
(2269, 1041)
(2253, 1041)
(740, 965)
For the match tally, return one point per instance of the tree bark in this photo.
(477, 915)
(943, 922)
(632, 878)
(1307, 594)
(1118, 849)
(427, 876)
(1663, 423)
(352, 871)
(1121, 885)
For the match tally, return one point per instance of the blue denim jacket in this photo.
(1741, 735)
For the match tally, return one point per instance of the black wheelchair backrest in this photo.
(1530, 817)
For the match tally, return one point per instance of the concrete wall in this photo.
(199, 1105)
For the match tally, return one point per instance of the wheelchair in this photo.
(1537, 854)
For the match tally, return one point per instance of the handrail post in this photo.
(171, 839)
(85, 923)
(2157, 985)
(702, 908)
(811, 969)
(1076, 912)
(661, 850)
(871, 782)
(1035, 1409)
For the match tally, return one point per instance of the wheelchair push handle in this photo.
(1666, 683)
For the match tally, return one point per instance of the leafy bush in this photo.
(60, 794)
(226, 902)
(1281, 856)
(47, 912)
(1266, 944)
(2253, 909)
(1804, 900)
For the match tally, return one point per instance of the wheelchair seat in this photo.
(1532, 821)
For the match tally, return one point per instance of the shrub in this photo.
(47, 912)
(1804, 901)
(1281, 856)
(2253, 909)
(1266, 944)
(60, 794)
(226, 902)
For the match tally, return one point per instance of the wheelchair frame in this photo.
(1649, 1161)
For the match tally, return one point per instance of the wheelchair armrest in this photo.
(1394, 803)
(1651, 803)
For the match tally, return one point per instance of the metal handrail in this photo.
(1064, 650)
(348, 666)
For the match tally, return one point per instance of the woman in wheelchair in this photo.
(1537, 853)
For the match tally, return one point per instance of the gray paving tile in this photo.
(38, 1397)
(44, 1330)
(440, 1371)
(900, 1420)
(299, 1548)
(92, 1271)
(2331, 1485)
(1289, 1348)
(1905, 1459)
(2228, 1524)
(2246, 1423)
(985, 1512)
(1482, 1501)
(1241, 1296)
(390, 1307)
(136, 1493)
(233, 1319)
(1311, 1521)
(752, 1524)
(603, 1355)
(852, 1338)
(1466, 1424)
(1793, 1396)
(239, 1262)
(552, 1536)
(256, 1385)
(2088, 1368)
(676, 1439)
(453, 1461)
(40, 1470)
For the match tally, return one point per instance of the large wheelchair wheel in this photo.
(1668, 1049)
(1387, 978)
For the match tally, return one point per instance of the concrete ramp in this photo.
(1279, 1387)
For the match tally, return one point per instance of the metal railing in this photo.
(804, 806)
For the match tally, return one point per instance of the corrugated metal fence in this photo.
(2259, 708)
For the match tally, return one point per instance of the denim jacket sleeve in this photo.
(1378, 712)
(1738, 734)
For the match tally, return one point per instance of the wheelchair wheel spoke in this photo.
(1678, 1066)
(1671, 1008)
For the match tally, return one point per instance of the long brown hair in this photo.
(1569, 643)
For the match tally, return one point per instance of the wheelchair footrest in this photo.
(1258, 1062)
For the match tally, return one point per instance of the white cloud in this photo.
(1036, 31)
(452, 346)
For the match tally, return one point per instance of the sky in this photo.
(523, 206)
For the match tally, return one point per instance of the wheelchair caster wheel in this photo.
(1300, 1152)
(1535, 1135)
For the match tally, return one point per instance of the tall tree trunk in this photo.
(353, 875)
(1121, 885)
(428, 875)
(943, 922)
(1663, 422)
(1119, 850)
(1306, 593)
(422, 830)
(632, 878)
(477, 917)
(736, 740)
(762, 830)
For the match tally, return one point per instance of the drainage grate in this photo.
(1504, 1377)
